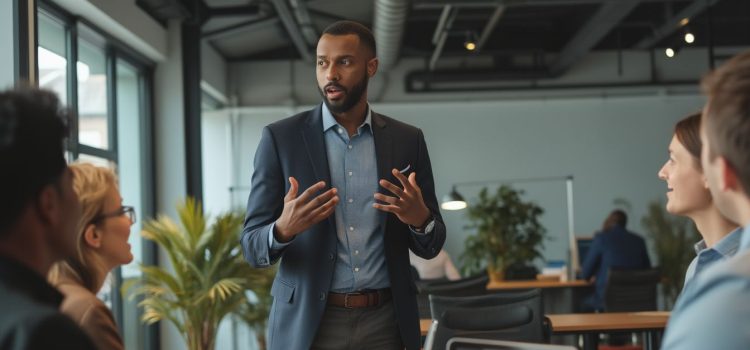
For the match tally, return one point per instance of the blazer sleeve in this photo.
(98, 322)
(593, 258)
(427, 246)
(264, 205)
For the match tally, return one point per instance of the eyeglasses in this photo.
(124, 210)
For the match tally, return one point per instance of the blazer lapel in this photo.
(315, 144)
(383, 149)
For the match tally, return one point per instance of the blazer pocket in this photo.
(282, 291)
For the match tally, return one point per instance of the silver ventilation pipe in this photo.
(388, 28)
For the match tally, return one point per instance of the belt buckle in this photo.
(346, 299)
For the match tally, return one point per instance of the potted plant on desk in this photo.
(508, 235)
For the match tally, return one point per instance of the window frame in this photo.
(114, 51)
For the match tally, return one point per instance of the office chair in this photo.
(631, 290)
(517, 316)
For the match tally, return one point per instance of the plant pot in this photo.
(496, 275)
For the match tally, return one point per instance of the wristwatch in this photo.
(426, 228)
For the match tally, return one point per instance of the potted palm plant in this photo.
(209, 276)
(673, 238)
(508, 234)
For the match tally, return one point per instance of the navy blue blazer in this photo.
(615, 248)
(296, 147)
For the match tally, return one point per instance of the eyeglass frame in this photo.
(123, 210)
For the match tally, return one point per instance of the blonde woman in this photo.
(101, 245)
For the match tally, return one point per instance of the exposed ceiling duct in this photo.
(390, 21)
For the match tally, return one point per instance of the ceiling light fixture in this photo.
(670, 52)
(689, 37)
(470, 44)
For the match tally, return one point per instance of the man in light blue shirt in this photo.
(713, 311)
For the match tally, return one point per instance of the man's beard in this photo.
(350, 97)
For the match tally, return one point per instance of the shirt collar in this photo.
(329, 121)
(727, 246)
(745, 240)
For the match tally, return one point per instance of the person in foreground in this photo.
(713, 310)
(38, 214)
(688, 195)
(340, 194)
(101, 245)
(614, 247)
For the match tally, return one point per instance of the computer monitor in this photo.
(461, 343)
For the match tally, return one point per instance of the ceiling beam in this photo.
(490, 27)
(441, 33)
(247, 26)
(234, 11)
(437, 4)
(295, 34)
(674, 23)
(302, 14)
(597, 27)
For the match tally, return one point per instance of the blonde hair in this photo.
(91, 184)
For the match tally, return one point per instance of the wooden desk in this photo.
(606, 322)
(590, 325)
(527, 284)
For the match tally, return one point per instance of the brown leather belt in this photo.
(360, 299)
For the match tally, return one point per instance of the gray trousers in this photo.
(355, 329)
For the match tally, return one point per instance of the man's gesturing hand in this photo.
(300, 213)
(407, 204)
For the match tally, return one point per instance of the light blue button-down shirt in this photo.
(713, 312)
(724, 248)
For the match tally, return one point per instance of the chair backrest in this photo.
(464, 343)
(631, 290)
(475, 285)
(517, 316)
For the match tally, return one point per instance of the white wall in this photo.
(613, 146)
(213, 71)
(7, 46)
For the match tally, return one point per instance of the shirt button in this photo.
(330, 256)
(351, 228)
(340, 130)
(350, 146)
(351, 173)
(350, 200)
(356, 252)
(356, 269)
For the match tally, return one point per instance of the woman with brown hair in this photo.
(688, 195)
(101, 245)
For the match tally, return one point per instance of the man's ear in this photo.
(728, 175)
(48, 205)
(372, 66)
(92, 236)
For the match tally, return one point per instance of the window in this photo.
(108, 89)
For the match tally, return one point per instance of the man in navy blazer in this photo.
(339, 196)
(613, 248)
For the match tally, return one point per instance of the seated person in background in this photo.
(439, 267)
(688, 195)
(101, 245)
(613, 248)
(713, 310)
(38, 215)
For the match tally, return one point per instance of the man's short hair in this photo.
(727, 119)
(351, 27)
(32, 129)
(616, 218)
